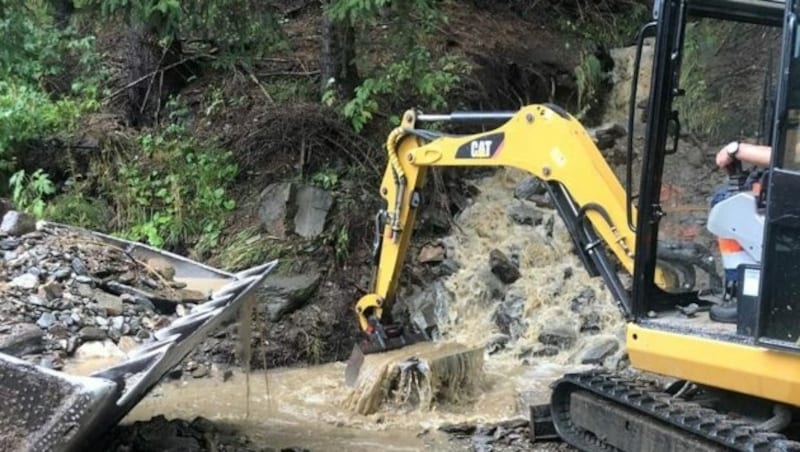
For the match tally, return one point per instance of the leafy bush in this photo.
(29, 191)
(173, 191)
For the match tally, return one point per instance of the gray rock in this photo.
(605, 136)
(51, 290)
(91, 333)
(525, 214)
(313, 205)
(100, 320)
(17, 223)
(25, 281)
(62, 274)
(560, 336)
(273, 208)
(21, 339)
(502, 267)
(497, 343)
(591, 322)
(111, 304)
(529, 187)
(46, 320)
(286, 294)
(429, 308)
(117, 322)
(84, 290)
(9, 244)
(509, 316)
(599, 351)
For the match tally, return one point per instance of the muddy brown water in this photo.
(312, 407)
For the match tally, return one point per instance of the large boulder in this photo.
(283, 295)
(286, 208)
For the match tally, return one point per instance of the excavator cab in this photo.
(737, 381)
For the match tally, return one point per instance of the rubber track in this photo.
(646, 398)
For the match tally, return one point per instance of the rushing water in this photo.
(457, 381)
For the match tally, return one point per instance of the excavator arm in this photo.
(541, 139)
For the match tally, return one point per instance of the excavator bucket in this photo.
(48, 410)
(377, 345)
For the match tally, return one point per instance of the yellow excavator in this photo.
(737, 376)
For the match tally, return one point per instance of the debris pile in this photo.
(200, 434)
(66, 292)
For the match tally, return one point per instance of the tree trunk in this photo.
(150, 86)
(337, 56)
(63, 12)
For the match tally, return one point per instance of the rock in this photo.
(428, 309)
(529, 187)
(80, 269)
(431, 254)
(191, 296)
(46, 320)
(91, 333)
(85, 290)
(110, 304)
(497, 343)
(17, 223)
(273, 205)
(98, 349)
(62, 274)
(525, 214)
(605, 136)
(447, 268)
(21, 339)
(591, 322)
(25, 281)
(502, 267)
(9, 244)
(509, 316)
(162, 267)
(582, 300)
(437, 220)
(5, 206)
(200, 372)
(463, 429)
(51, 290)
(285, 294)
(560, 336)
(599, 351)
(313, 205)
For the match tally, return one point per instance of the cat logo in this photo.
(485, 147)
(480, 149)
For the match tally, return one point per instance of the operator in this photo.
(753, 154)
(744, 152)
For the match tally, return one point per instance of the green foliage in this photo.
(41, 53)
(29, 191)
(76, 208)
(417, 75)
(327, 179)
(701, 106)
(249, 247)
(589, 76)
(240, 31)
(413, 74)
(605, 27)
(173, 190)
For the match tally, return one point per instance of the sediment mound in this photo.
(67, 293)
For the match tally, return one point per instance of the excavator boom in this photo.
(541, 139)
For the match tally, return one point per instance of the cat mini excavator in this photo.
(735, 385)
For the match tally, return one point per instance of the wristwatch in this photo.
(732, 154)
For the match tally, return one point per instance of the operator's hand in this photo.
(724, 159)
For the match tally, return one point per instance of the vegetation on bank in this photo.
(114, 113)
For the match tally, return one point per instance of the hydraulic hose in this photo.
(399, 176)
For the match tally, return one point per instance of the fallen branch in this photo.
(145, 77)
